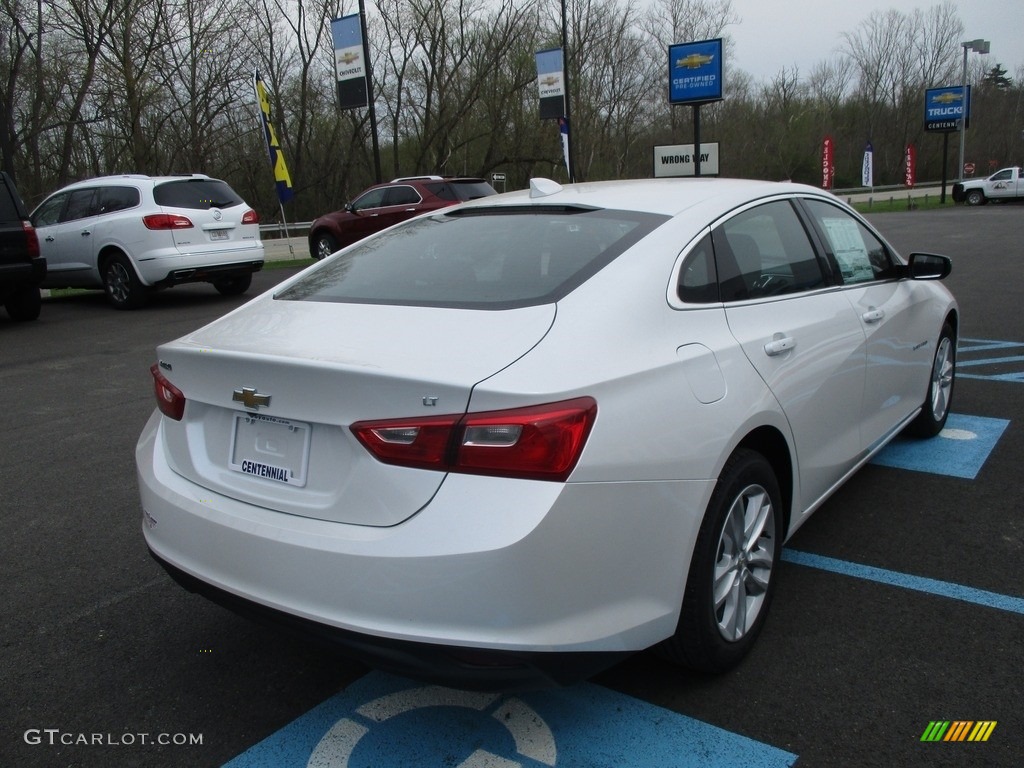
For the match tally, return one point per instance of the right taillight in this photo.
(169, 399)
(31, 239)
(166, 221)
(539, 442)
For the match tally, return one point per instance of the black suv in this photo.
(21, 267)
(382, 205)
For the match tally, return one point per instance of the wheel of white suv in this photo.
(733, 570)
(123, 288)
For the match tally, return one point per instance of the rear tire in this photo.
(935, 410)
(24, 304)
(123, 288)
(233, 286)
(734, 567)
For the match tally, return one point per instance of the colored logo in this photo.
(959, 730)
(694, 61)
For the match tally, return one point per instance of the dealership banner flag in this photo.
(910, 167)
(282, 179)
(867, 174)
(551, 84)
(828, 163)
(350, 68)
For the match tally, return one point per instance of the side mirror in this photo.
(929, 266)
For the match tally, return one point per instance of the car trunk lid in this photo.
(272, 389)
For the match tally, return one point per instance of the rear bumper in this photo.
(466, 668)
(494, 584)
(208, 273)
(21, 274)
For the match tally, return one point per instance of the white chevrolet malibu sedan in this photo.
(506, 444)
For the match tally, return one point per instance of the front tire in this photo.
(324, 244)
(734, 567)
(123, 288)
(975, 197)
(935, 410)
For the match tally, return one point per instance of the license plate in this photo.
(270, 448)
(219, 234)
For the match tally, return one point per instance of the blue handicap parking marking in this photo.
(990, 360)
(382, 721)
(960, 450)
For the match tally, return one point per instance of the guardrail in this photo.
(279, 229)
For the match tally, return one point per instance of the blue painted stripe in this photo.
(907, 581)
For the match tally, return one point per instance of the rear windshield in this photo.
(493, 258)
(461, 190)
(196, 193)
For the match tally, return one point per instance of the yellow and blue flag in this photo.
(282, 179)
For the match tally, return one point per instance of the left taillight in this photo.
(31, 239)
(169, 399)
(540, 442)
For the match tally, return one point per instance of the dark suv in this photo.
(21, 267)
(382, 205)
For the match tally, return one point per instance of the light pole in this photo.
(979, 46)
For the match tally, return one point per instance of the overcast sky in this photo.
(782, 33)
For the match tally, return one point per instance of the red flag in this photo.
(828, 166)
(910, 171)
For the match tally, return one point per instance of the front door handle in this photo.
(873, 315)
(778, 346)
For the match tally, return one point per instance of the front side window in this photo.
(860, 256)
(48, 213)
(494, 258)
(765, 251)
(372, 199)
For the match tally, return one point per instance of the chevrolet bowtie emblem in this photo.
(250, 398)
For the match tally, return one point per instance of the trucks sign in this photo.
(944, 108)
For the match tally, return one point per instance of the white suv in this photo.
(133, 234)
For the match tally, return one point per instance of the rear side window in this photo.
(461, 191)
(484, 258)
(765, 251)
(111, 199)
(80, 205)
(198, 194)
(48, 213)
(402, 196)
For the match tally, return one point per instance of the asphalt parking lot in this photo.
(900, 603)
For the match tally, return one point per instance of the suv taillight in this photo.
(31, 239)
(251, 217)
(540, 442)
(166, 221)
(169, 399)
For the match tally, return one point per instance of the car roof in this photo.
(668, 197)
(100, 181)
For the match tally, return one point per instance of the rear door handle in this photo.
(873, 315)
(86, 233)
(778, 346)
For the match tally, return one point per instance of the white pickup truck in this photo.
(1007, 184)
